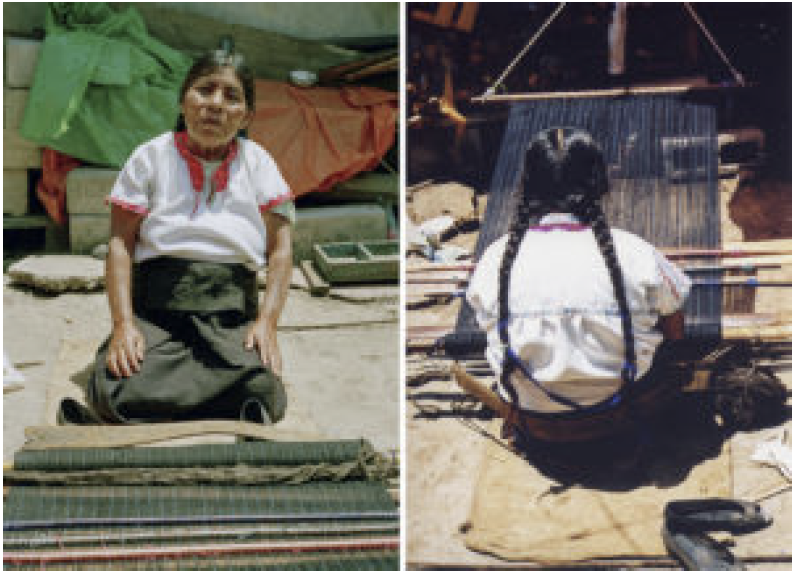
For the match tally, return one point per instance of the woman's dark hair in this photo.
(563, 170)
(214, 60)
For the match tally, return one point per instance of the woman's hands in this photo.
(126, 349)
(262, 337)
(262, 333)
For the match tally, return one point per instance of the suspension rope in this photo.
(738, 77)
(516, 60)
(491, 90)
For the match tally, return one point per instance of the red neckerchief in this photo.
(219, 179)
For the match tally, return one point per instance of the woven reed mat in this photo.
(70, 376)
(520, 513)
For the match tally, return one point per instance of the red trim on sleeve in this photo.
(274, 202)
(127, 206)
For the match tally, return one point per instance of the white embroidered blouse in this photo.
(564, 320)
(187, 223)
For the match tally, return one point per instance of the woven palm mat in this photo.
(344, 523)
(348, 539)
(547, 512)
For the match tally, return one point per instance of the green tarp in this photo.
(102, 85)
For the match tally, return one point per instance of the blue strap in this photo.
(629, 373)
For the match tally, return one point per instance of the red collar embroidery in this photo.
(219, 179)
(559, 221)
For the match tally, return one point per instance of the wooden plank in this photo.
(382, 67)
(317, 285)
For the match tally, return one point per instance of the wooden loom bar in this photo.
(443, 276)
(220, 549)
(613, 92)
(448, 288)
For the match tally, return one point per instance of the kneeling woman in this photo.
(192, 216)
(574, 311)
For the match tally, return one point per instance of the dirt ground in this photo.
(444, 448)
(341, 358)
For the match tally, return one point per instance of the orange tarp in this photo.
(322, 136)
(51, 188)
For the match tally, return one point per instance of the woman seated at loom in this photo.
(574, 311)
(194, 214)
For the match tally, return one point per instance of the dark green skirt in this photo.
(194, 317)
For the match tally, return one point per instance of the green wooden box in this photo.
(367, 261)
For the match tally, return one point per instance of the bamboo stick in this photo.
(742, 281)
(721, 253)
(209, 550)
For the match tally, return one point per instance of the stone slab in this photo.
(14, 102)
(15, 192)
(21, 57)
(19, 153)
(86, 231)
(54, 273)
(87, 189)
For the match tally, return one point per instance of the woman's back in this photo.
(564, 319)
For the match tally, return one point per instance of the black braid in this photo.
(592, 214)
(563, 169)
(517, 230)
